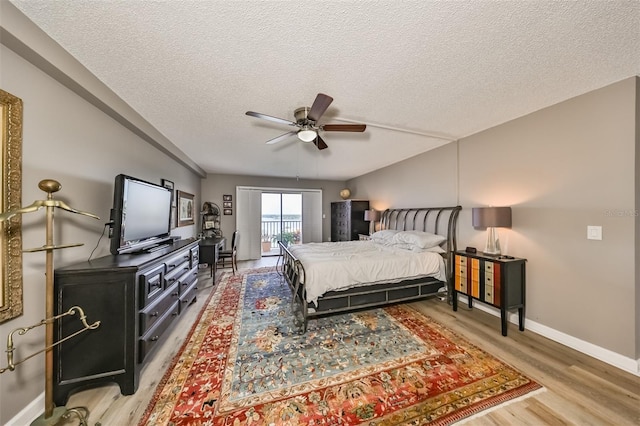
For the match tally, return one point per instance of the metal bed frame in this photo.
(430, 219)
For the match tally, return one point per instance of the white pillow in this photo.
(419, 239)
(434, 249)
(416, 249)
(384, 236)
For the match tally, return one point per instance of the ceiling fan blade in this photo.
(320, 143)
(319, 106)
(281, 137)
(270, 118)
(344, 127)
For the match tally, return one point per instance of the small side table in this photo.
(494, 280)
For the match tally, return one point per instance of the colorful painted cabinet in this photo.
(494, 280)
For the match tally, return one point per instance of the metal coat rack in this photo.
(52, 414)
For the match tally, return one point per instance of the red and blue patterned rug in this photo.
(245, 363)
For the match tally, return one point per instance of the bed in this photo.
(410, 258)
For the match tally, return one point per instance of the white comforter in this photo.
(342, 265)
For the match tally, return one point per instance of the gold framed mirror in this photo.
(10, 199)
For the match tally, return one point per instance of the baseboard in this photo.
(29, 413)
(627, 364)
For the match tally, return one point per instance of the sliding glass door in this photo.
(266, 215)
(281, 220)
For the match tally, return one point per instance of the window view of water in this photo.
(285, 217)
(281, 219)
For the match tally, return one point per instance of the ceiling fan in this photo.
(307, 123)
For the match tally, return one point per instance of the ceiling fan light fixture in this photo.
(307, 135)
(307, 123)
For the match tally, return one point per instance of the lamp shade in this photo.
(491, 217)
(371, 215)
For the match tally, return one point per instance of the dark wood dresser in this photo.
(136, 297)
(347, 220)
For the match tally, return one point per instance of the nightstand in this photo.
(493, 280)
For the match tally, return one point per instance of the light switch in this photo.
(594, 232)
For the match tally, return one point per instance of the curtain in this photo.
(312, 216)
(248, 222)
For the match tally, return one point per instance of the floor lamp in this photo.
(492, 218)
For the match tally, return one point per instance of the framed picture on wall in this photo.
(227, 211)
(226, 197)
(227, 204)
(168, 184)
(185, 208)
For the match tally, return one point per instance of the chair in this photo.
(231, 255)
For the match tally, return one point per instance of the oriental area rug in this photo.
(245, 363)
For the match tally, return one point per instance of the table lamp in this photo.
(492, 218)
(371, 216)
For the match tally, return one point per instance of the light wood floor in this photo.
(579, 390)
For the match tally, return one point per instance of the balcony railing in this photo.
(291, 232)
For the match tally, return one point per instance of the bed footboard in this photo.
(293, 272)
(334, 302)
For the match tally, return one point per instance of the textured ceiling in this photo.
(409, 69)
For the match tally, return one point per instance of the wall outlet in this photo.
(594, 232)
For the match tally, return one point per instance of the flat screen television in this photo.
(141, 215)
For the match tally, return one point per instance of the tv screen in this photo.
(141, 215)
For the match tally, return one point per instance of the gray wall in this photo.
(215, 185)
(637, 214)
(425, 180)
(67, 139)
(562, 168)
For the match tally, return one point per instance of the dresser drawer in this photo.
(173, 277)
(187, 279)
(151, 314)
(151, 285)
(461, 283)
(188, 296)
(154, 335)
(461, 270)
(488, 279)
(177, 261)
(194, 257)
(488, 294)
